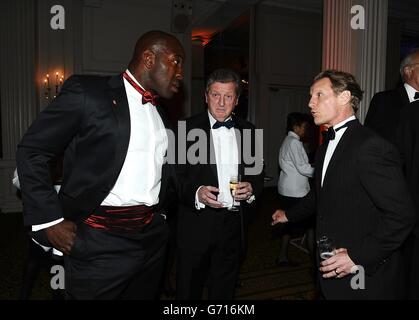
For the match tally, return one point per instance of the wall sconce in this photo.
(49, 86)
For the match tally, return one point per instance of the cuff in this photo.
(251, 199)
(38, 227)
(198, 205)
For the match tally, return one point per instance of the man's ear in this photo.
(149, 58)
(345, 97)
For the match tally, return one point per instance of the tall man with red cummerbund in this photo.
(108, 218)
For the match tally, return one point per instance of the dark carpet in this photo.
(260, 278)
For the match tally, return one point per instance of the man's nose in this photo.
(311, 103)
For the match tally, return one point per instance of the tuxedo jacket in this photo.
(384, 112)
(195, 227)
(89, 124)
(364, 206)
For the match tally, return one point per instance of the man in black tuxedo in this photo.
(360, 197)
(385, 107)
(408, 144)
(210, 236)
(107, 218)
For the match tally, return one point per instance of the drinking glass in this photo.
(234, 183)
(326, 247)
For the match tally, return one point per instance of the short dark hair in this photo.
(296, 119)
(342, 81)
(224, 75)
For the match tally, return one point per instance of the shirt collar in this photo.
(410, 92)
(343, 122)
(293, 134)
(133, 78)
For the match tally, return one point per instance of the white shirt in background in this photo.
(295, 168)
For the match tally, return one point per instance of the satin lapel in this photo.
(204, 124)
(239, 139)
(339, 151)
(321, 153)
(163, 116)
(119, 103)
(403, 95)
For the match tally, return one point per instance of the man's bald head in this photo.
(154, 40)
(157, 63)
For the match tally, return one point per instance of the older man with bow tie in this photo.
(210, 233)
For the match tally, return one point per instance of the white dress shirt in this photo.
(227, 158)
(139, 181)
(410, 92)
(295, 168)
(333, 144)
(140, 177)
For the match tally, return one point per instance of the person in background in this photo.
(108, 218)
(384, 111)
(293, 182)
(408, 144)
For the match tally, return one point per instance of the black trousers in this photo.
(103, 265)
(216, 265)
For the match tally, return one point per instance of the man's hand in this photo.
(61, 235)
(337, 266)
(244, 191)
(279, 217)
(207, 197)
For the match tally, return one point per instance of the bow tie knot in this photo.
(330, 134)
(148, 96)
(416, 97)
(228, 124)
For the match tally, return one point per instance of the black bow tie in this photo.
(331, 133)
(416, 97)
(228, 124)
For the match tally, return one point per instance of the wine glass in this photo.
(234, 184)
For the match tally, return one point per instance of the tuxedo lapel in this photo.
(204, 124)
(339, 151)
(120, 108)
(321, 153)
(239, 140)
(403, 95)
(163, 117)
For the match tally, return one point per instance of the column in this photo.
(18, 91)
(361, 52)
